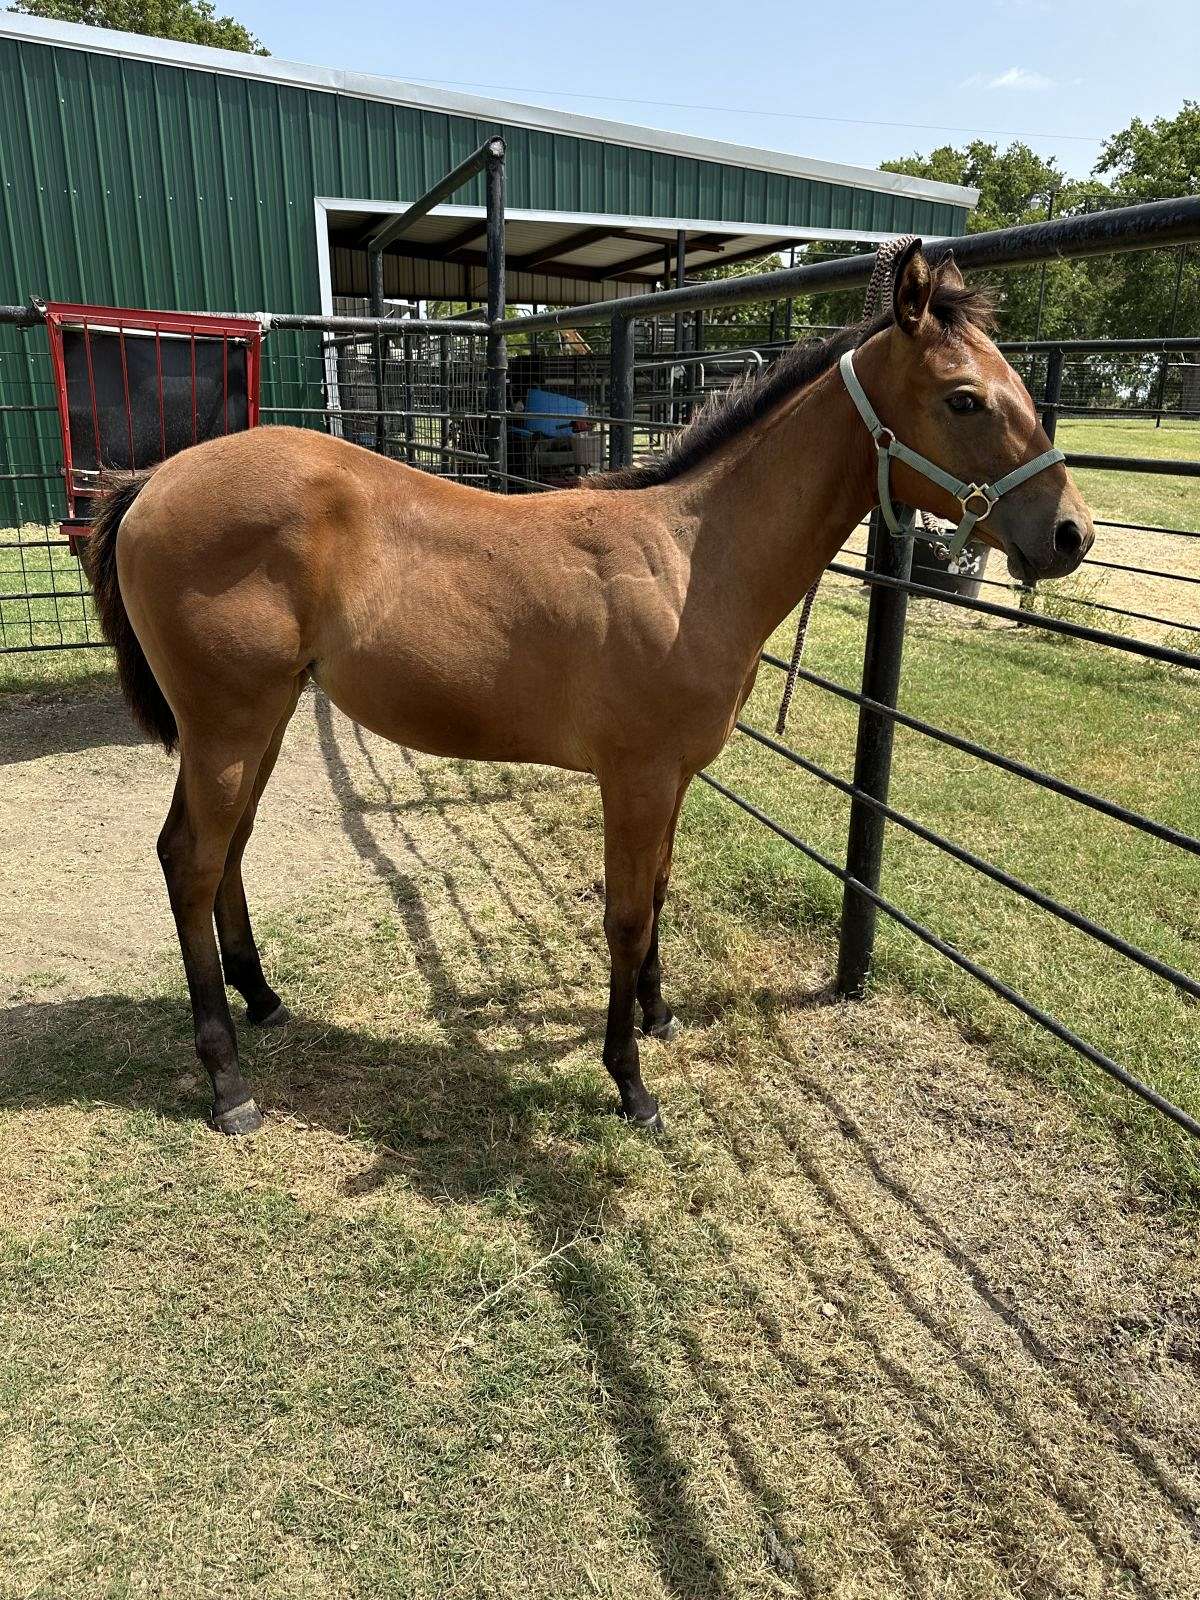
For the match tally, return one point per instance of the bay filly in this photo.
(615, 629)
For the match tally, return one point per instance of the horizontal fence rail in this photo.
(1052, 1025)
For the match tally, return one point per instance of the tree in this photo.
(192, 21)
(1157, 160)
(1127, 294)
(753, 314)
(1017, 186)
(1156, 291)
(1014, 184)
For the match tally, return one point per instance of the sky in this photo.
(843, 83)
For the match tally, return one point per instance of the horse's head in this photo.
(938, 380)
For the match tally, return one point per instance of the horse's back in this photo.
(448, 619)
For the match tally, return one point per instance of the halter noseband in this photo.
(976, 499)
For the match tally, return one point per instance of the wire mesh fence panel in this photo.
(44, 598)
(415, 397)
(1160, 385)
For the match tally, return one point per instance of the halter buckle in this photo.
(882, 435)
(976, 491)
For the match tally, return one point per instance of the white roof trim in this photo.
(366, 86)
(598, 219)
(573, 220)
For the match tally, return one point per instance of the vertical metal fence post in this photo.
(444, 462)
(1166, 359)
(497, 347)
(1037, 326)
(696, 382)
(620, 399)
(410, 453)
(378, 309)
(1164, 368)
(891, 558)
(1051, 399)
(1053, 392)
(680, 342)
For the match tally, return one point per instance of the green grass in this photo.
(446, 1329)
(43, 603)
(1109, 723)
(1129, 496)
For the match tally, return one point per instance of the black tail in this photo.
(146, 699)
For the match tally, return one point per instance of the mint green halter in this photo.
(976, 499)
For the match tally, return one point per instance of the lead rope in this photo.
(879, 288)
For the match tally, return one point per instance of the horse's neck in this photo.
(771, 509)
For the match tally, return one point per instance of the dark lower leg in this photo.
(239, 953)
(620, 1042)
(657, 1017)
(192, 872)
(658, 1021)
(633, 831)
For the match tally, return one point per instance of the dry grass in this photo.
(871, 1320)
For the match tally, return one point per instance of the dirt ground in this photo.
(938, 1339)
(84, 798)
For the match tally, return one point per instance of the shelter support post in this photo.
(375, 283)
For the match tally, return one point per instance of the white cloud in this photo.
(1019, 78)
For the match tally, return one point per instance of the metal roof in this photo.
(367, 86)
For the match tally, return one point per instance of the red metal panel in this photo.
(64, 317)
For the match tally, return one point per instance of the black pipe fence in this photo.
(398, 383)
(887, 572)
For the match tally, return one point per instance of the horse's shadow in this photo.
(456, 1111)
(455, 1123)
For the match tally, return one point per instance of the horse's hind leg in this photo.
(638, 808)
(239, 952)
(216, 779)
(658, 1020)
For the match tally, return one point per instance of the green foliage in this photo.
(753, 314)
(1156, 160)
(1128, 294)
(1014, 185)
(192, 21)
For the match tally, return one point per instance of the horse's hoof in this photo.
(279, 1018)
(650, 1124)
(667, 1031)
(242, 1120)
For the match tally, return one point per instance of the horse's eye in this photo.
(963, 402)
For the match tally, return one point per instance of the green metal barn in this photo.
(142, 172)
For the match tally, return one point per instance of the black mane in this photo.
(740, 407)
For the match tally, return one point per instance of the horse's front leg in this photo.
(638, 810)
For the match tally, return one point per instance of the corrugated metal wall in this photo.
(131, 183)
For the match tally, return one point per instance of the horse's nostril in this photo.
(1068, 538)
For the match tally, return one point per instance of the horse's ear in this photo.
(948, 274)
(913, 286)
